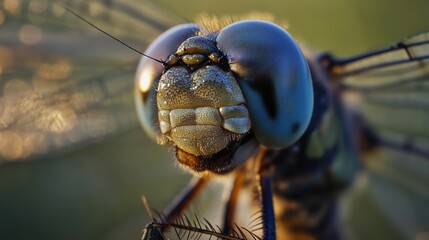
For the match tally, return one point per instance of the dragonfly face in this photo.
(223, 91)
(387, 86)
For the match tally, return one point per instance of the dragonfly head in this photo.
(219, 95)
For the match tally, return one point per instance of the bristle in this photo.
(214, 23)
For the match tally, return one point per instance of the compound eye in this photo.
(274, 78)
(149, 72)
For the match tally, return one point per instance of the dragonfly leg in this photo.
(231, 205)
(264, 186)
(181, 202)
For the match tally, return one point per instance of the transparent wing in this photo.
(63, 83)
(390, 91)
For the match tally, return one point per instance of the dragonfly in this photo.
(53, 102)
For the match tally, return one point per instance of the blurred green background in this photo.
(93, 191)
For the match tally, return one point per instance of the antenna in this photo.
(111, 36)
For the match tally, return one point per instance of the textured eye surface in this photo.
(274, 78)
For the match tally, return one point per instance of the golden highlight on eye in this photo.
(146, 80)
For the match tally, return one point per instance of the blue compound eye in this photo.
(149, 72)
(274, 78)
